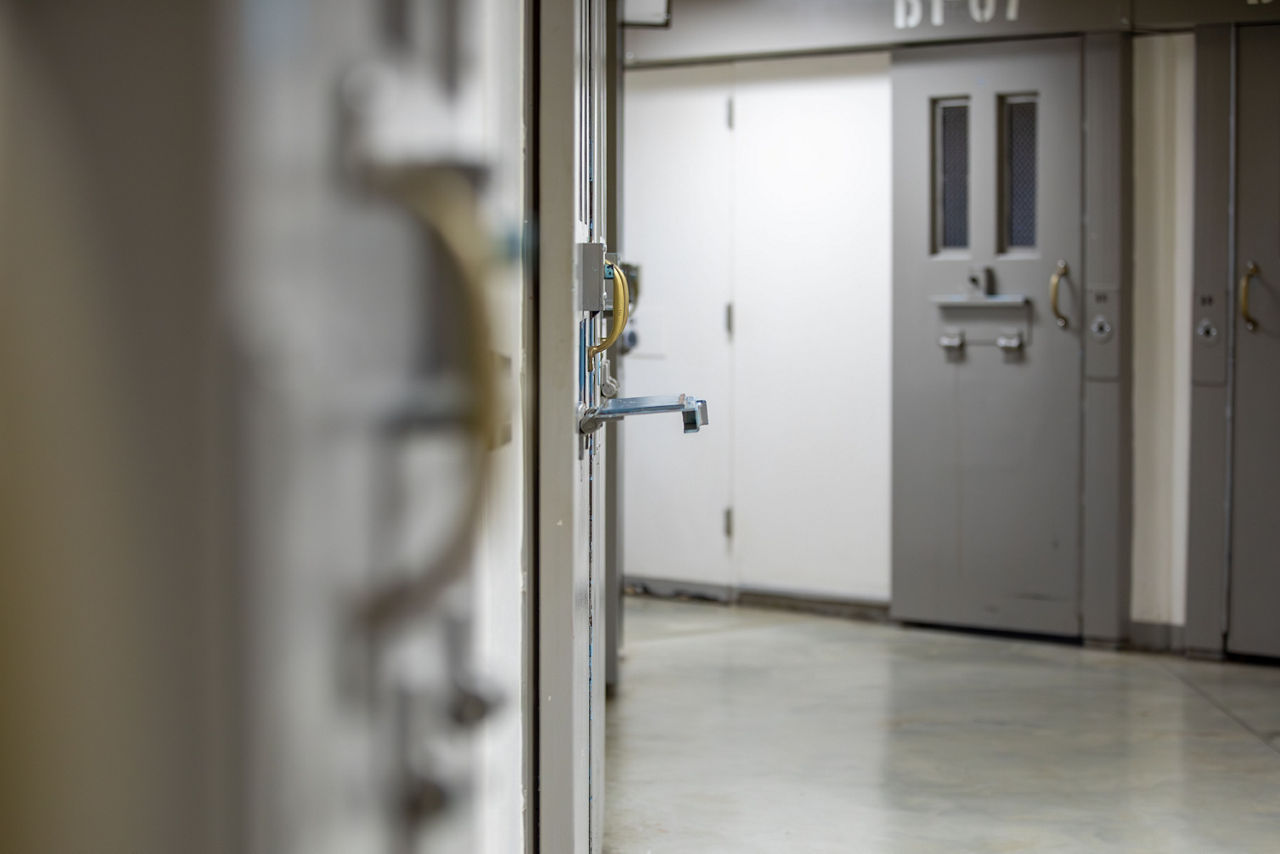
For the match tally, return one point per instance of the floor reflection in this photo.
(739, 730)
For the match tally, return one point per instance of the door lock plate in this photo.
(1206, 332)
(591, 271)
(1100, 328)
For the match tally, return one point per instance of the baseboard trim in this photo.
(668, 588)
(1157, 637)
(850, 609)
(1143, 636)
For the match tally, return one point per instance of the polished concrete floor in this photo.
(739, 730)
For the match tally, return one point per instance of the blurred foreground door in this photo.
(242, 351)
(988, 325)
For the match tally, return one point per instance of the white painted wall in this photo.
(677, 207)
(1164, 135)
(787, 215)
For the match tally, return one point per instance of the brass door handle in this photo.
(1054, 282)
(621, 314)
(1250, 322)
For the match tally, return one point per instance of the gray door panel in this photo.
(1254, 626)
(987, 441)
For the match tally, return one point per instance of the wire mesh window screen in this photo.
(1019, 172)
(951, 173)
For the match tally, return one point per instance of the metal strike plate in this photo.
(1103, 330)
(592, 278)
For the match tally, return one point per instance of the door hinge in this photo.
(728, 521)
(728, 112)
(728, 318)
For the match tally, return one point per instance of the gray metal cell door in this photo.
(987, 336)
(1254, 619)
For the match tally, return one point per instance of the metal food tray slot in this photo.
(996, 320)
(994, 301)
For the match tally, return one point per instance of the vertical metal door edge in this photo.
(563, 741)
(530, 543)
(1208, 505)
(613, 532)
(1107, 478)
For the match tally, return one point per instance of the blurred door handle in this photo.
(444, 200)
(1054, 281)
(1250, 322)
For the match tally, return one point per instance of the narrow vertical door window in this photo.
(1018, 171)
(951, 173)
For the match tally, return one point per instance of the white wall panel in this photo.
(787, 215)
(677, 206)
(812, 280)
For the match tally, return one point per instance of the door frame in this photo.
(567, 759)
(1209, 492)
(1106, 573)
(613, 432)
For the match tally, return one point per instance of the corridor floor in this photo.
(738, 730)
